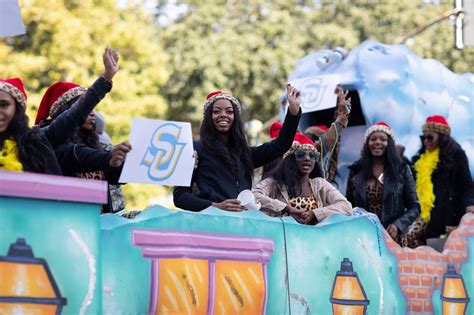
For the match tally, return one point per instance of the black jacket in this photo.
(78, 158)
(454, 191)
(61, 128)
(400, 204)
(214, 181)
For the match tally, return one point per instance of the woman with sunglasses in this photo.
(380, 183)
(443, 183)
(296, 187)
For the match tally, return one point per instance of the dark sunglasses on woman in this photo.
(301, 155)
(428, 137)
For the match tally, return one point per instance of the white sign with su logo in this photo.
(162, 153)
(317, 93)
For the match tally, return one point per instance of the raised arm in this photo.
(269, 151)
(68, 122)
(342, 119)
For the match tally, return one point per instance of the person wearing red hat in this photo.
(274, 129)
(273, 132)
(226, 162)
(443, 183)
(382, 184)
(296, 187)
(82, 155)
(25, 149)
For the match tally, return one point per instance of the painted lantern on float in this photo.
(27, 285)
(348, 295)
(453, 293)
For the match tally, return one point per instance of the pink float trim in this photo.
(40, 186)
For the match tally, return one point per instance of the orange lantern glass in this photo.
(453, 293)
(348, 296)
(27, 285)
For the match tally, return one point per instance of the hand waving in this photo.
(294, 99)
(110, 58)
(343, 103)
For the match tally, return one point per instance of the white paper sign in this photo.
(162, 153)
(317, 92)
(11, 23)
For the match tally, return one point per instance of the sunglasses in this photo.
(428, 137)
(301, 155)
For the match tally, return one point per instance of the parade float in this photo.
(386, 83)
(59, 255)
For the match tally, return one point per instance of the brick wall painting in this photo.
(421, 270)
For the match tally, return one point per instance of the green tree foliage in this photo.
(250, 47)
(247, 48)
(64, 42)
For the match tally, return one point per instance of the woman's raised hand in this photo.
(343, 102)
(111, 65)
(229, 205)
(294, 99)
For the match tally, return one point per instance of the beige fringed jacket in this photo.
(274, 198)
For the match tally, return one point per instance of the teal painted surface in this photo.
(134, 271)
(315, 255)
(48, 227)
(123, 276)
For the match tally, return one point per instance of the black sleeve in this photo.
(464, 184)
(350, 188)
(68, 122)
(269, 151)
(79, 158)
(184, 198)
(113, 174)
(410, 200)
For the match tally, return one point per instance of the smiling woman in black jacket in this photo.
(380, 183)
(226, 162)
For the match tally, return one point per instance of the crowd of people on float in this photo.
(414, 200)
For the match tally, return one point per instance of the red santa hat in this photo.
(14, 87)
(317, 131)
(300, 142)
(380, 126)
(217, 95)
(275, 128)
(56, 98)
(437, 124)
